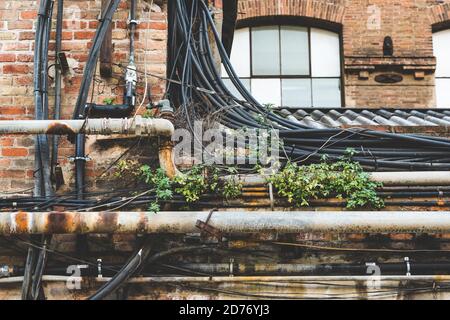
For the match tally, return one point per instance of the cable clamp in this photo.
(408, 267)
(133, 21)
(441, 201)
(99, 268)
(231, 267)
(85, 159)
(5, 271)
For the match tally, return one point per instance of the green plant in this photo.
(191, 185)
(344, 179)
(149, 114)
(124, 167)
(196, 182)
(161, 184)
(109, 101)
(231, 189)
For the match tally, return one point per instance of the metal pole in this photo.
(226, 222)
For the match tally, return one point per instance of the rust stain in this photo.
(58, 222)
(142, 224)
(108, 220)
(21, 222)
(59, 129)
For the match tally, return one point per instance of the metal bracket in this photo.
(231, 267)
(134, 21)
(5, 271)
(408, 267)
(206, 228)
(73, 159)
(441, 201)
(99, 268)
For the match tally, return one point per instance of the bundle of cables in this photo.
(197, 87)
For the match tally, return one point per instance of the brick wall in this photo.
(17, 27)
(364, 25)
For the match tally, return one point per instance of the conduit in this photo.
(227, 222)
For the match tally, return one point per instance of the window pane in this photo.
(326, 93)
(294, 51)
(266, 51)
(240, 53)
(443, 93)
(441, 45)
(267, 91)
(325, 54)
(232, 88)
(296, 93)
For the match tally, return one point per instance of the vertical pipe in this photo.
(38, 96)
(44, 143)
(89, 71)
(57, 115)
(80, 165)
(43, 28)
(133, 23)
(130, 75)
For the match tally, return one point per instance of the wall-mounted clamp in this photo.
(85, 159)
(408, 266)
(5, 271)
(99, 268)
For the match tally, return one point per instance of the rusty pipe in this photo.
(243, 279)
(136, 126)
(413, 178)
(227, 222)
(166, 158)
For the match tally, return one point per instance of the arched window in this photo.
(441, 45)
(289, 66)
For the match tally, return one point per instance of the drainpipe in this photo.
(12, 223)
(166, 156)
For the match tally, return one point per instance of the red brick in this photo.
(14, 152)
(19, 25)
(84, 35)
(25, 57)
(7, 57)
(14, 110)
(28, 15)
(16, 69)
(17, 174)
(6, 142)
(26, 35)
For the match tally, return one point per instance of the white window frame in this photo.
(245, 68)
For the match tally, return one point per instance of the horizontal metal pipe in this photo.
(417, 178)
(227, 222)
(413, 178)
(105, 126)
(228, 279)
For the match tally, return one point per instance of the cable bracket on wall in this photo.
(408, 267)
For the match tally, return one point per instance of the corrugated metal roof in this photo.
(334, 118)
